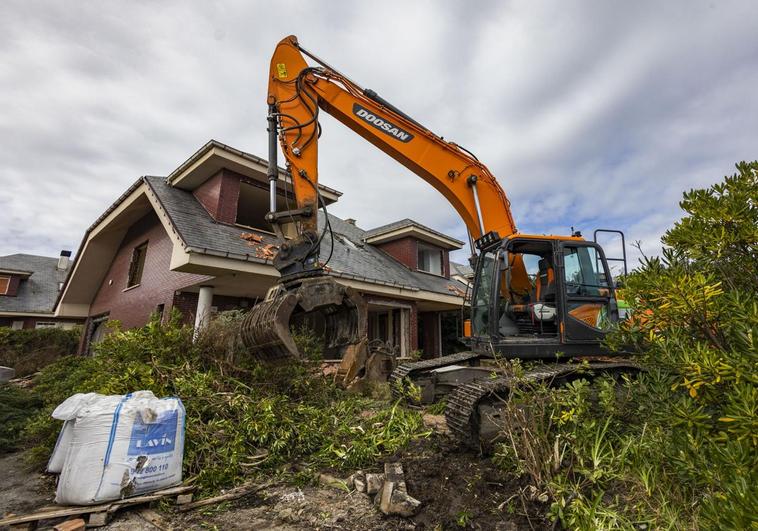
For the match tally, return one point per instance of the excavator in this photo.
(543, 298)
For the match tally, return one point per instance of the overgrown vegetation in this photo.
(16, 406)
(29, 350)
(676, 447)
(243, 419)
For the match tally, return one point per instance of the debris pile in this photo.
(389, 490)
(265, 251)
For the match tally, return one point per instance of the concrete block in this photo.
(98, 519)
(396, 501)
(374, 483)
(183, 498)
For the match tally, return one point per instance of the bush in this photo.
(16, 406)
(677, 447)
(28, 351)
(237, 410)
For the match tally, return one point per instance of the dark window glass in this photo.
(137, 265)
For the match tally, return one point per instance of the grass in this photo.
(236, 409)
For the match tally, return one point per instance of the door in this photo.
(589, 305)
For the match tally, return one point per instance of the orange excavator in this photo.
(535, 297)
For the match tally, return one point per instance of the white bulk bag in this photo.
(134, 448)
(68, 410)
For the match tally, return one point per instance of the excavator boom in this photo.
(296, 94)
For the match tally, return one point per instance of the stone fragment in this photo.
(394, 498)
(98, 519)
(374, 483)
(395, 501)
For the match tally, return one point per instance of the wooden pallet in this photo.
(97, 515)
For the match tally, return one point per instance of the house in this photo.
(462, 273)
(197, 241)
(29, 286)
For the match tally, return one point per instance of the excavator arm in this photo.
(297, 93)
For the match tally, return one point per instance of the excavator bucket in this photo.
(334, 312)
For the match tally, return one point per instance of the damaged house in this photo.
(197, 241)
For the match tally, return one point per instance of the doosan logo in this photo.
(381, 123)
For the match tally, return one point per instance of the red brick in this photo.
(158, 283)
(220, 196)
(404, 250)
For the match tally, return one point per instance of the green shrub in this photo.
(237, 410)
(16, 406)
(678, 446)
(27, 351)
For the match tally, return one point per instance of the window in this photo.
(44, 324)
(254, 203)
(5, 283)
(583, 271)
(137, 265)
(480, 309)
(429, 259)
(159, 311)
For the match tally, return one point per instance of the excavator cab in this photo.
(542, 297)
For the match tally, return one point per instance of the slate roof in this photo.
(351, 257)
(461, 269)
(37, 293)
(403, 223)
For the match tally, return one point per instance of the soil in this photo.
(458, 490)
(22, 489)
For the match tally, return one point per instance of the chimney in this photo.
(351, 221)
(63, 260)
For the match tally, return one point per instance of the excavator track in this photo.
(463, 405)
(412, 369)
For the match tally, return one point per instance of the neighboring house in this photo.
(197, 241)
(462, 273)
(29, 285)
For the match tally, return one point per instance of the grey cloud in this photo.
(594, 113)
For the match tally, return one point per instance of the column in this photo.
(204, 304)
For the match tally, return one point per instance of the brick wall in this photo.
(404, 250)
(186, 303)
(158, 283)
(430, 340)
(220, 196)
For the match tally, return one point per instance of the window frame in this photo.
(136, 269)
(8, 279)
(421, 248)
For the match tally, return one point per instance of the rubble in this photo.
(393, 498)
(251, 237)
(374, 483)
(265, 251)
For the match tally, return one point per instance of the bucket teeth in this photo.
(336, 312)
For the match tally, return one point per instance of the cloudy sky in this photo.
(589, 113)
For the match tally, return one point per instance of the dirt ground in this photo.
(458, 490)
